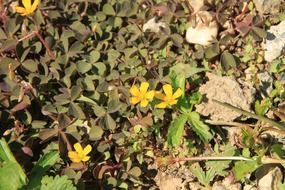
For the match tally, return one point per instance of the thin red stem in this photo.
(45, 44)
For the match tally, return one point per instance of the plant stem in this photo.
(27, 36)
(258, 117)
(202, 158)
(45, 44)
(211, 122)
(267, 160)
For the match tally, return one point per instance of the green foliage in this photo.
(261, 107)
(213, 168)
(57, 182)
(243, 168)
(9, 177)
(200, 128)
(65, 76)
(8, 167)
(176, 130)
(41, 167)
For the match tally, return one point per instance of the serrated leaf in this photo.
(261, 107)
(57, 182)
(176, 130)
(242, 168)
(200, 128)
(198, 172)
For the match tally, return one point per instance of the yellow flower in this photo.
(28, 8)
(141, 95)
(79, 154)
(168, 99)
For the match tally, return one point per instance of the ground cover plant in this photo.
(146, 94)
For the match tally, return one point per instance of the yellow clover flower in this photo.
(28, 8)
(141, 94)
(79, 154)
(168, 99)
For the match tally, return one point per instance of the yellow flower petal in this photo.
(86, 158)
(35, 5)
(72, 154)
(20, 10)
(78, 148)
(27, 3)
(87, 149)
(143, 88)
(167, 88)
(134, 100)
(159, 95)
(144, 103)
(150, 94)
(134, 91)
(172, 102)
(74, 157)
(161, 105)
(177, 94)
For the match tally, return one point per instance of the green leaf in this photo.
(7, 156)
(42, 166)
(259, 31)
(228, 61)
(113, 106)
(198, 172)
(201, 129)
(99, 111)
(75, 110)
(212, 51)
(75, 92)
(83, 66)
(261, 107)
(95, 133)
(108, 9)
(10, 178)
(242, 168)
(30, 65)
(277, 66)
(176, 129)
(109, 122)
(178, 81)
(94, 56)
(177, 40)
(187, 70)
(58, 183)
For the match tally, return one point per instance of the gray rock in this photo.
(205, 31)
(268, 177)
(224, 89)
(267, 6)
(275, 42)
